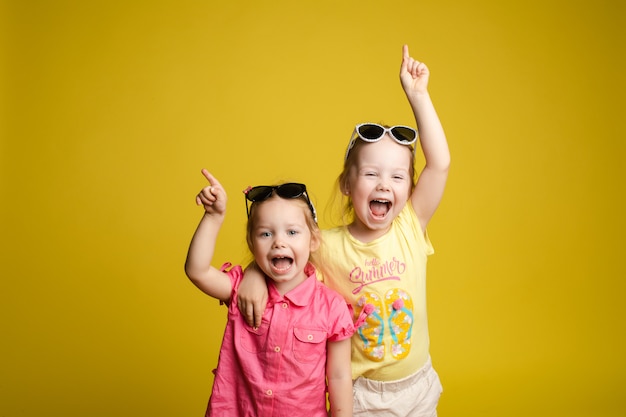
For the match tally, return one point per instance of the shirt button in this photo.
(285, 305)
(310, 337)
(269, 392)
(277, 349)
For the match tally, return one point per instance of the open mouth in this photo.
(380, 208)
(282, 263)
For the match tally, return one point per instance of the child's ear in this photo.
(315, 242)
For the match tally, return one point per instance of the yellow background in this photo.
(111, 108)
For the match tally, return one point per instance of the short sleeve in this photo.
(235, 273)
(340, 325)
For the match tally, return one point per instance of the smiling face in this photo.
(379, 184)
(281, 240)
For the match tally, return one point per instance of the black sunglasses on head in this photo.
(288, 191)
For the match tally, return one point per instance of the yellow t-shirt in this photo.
(385, 281)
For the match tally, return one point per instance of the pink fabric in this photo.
(279, 369)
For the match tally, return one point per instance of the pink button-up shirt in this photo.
(279, 369)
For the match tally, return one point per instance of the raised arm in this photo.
(431, 182)
(198, 265)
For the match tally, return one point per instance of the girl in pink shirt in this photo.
(301, 349)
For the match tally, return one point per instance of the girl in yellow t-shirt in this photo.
(377, 261)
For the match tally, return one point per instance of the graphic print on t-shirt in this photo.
(389, 316)
(374, 271)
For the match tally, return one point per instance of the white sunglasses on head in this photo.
(373, 132)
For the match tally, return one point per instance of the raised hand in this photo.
(413, 74)
(202, 247)
(212, 197)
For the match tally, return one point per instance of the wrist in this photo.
(214, 217)
(418, 95)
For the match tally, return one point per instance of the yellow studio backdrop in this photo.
(111, 108)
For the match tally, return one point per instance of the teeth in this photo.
(380, 208)
(282, 262)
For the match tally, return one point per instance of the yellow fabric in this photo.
(387, 279)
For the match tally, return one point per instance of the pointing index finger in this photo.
(212, 180)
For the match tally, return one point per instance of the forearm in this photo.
(432, 136)
(340, 396)
(339, 376)
(252, 295)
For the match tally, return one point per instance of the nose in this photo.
(383, 184)
(278, 243)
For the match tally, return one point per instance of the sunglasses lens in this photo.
(404, 134)
(290, 190)
(259, 193)
(370, 131)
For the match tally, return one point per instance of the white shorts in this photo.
(417, 395)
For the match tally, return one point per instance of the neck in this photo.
(364, 234)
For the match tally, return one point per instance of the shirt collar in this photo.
(301, 295)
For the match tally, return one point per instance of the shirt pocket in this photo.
(308, 344)
(254, 340)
